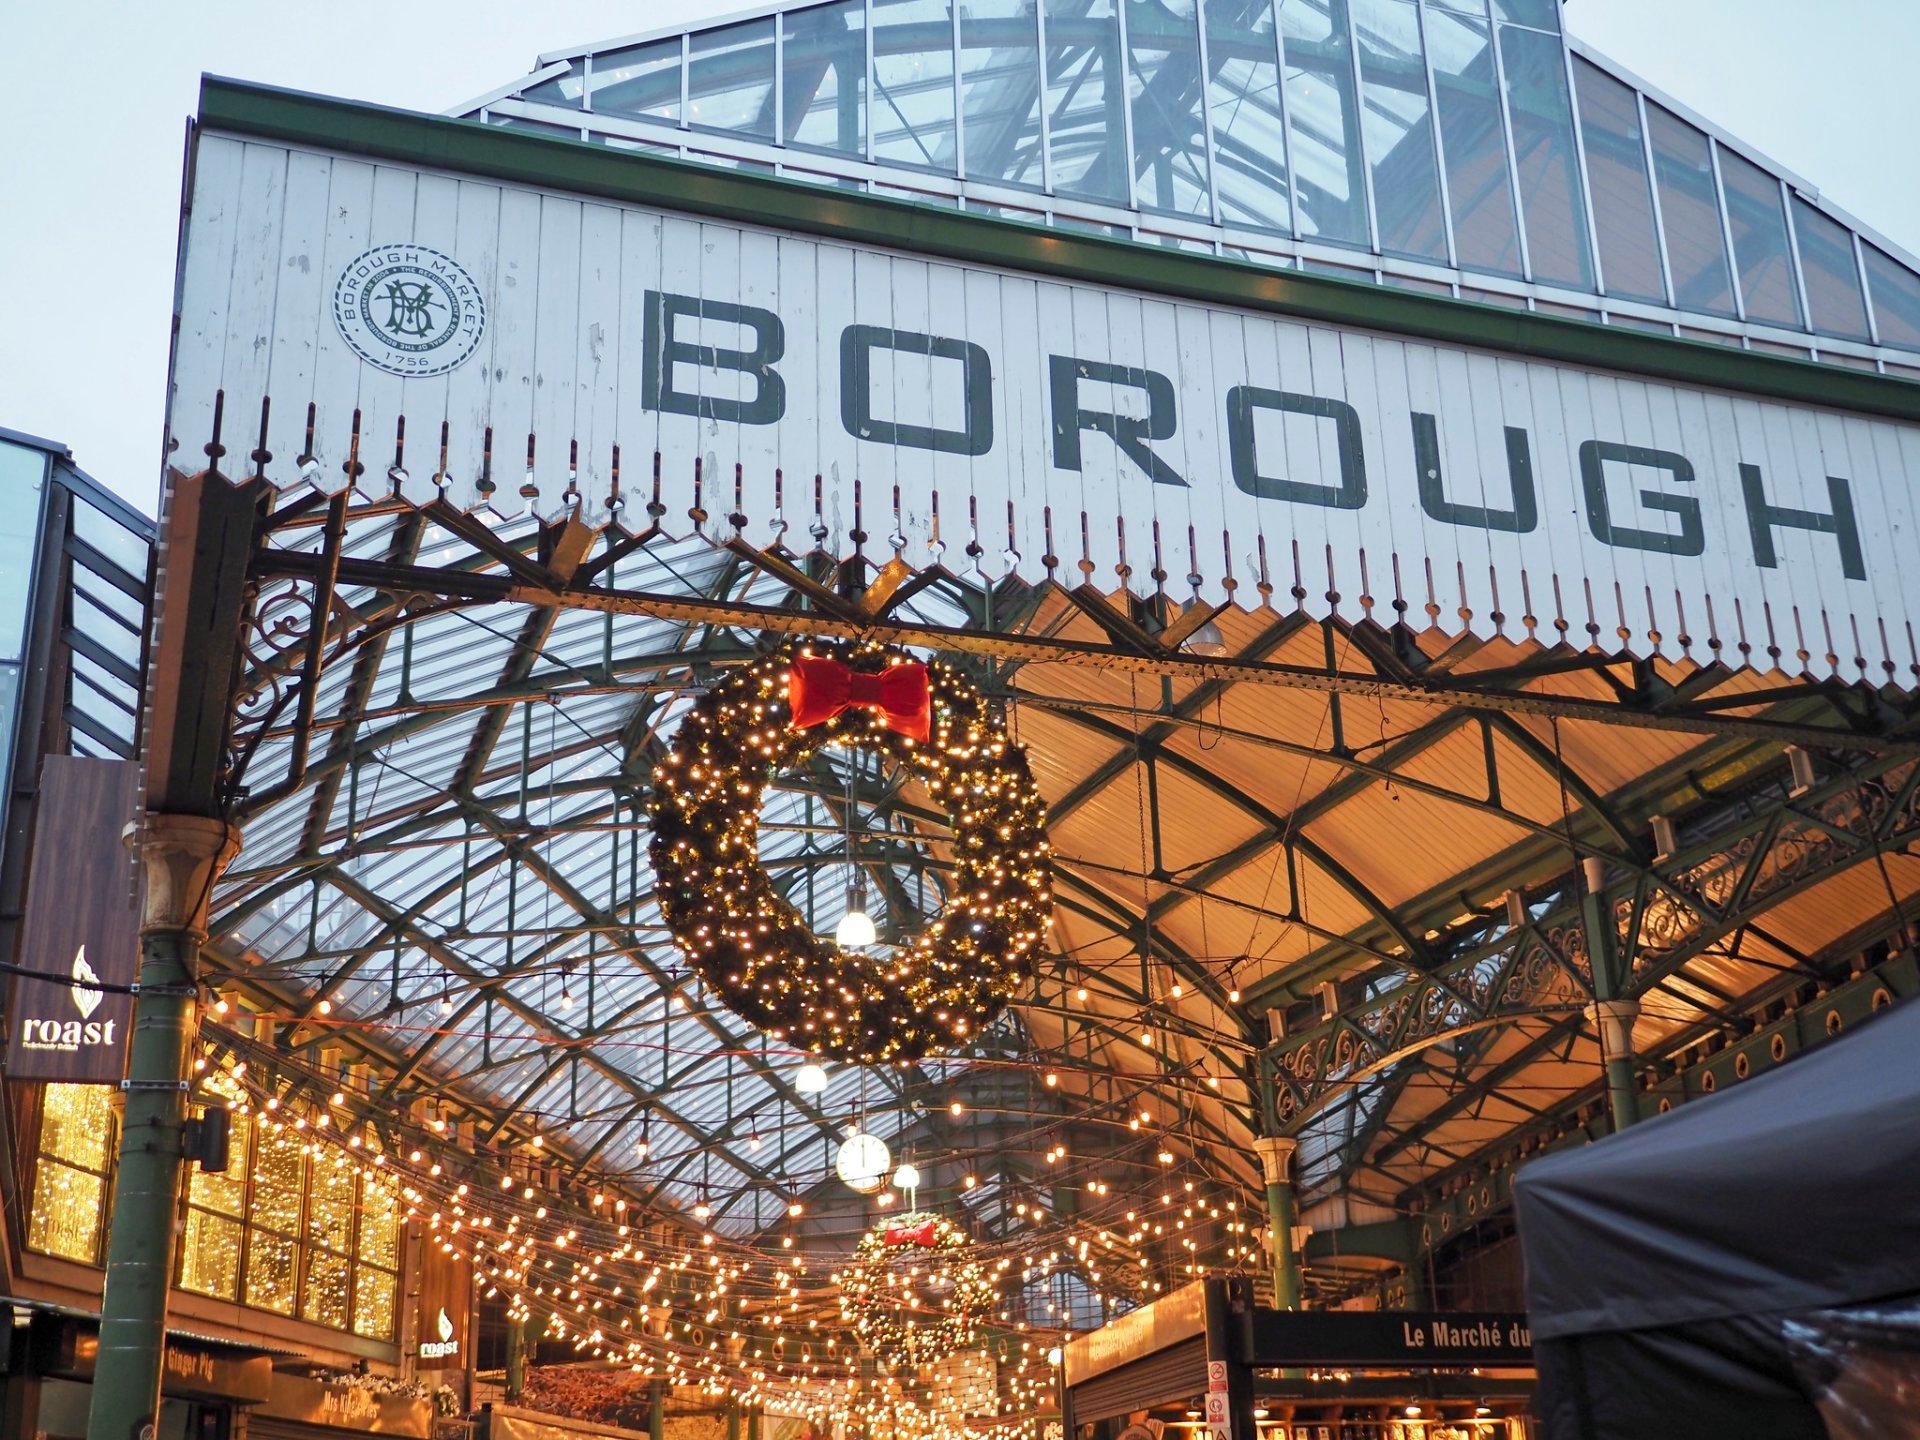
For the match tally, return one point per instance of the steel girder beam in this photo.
(1523, 866)
(1878, 731)
(1664, 915)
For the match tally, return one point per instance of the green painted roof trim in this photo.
(519, 157)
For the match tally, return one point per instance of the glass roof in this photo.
(493, 891)
(444, 875)
(1433, 144)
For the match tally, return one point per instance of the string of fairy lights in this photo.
(671, 1297)
(751, 1321)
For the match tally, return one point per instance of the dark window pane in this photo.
(1000, 90)
(1622, 196)
(1249, 150)
(1484, 233)
(1696, 248)
(1759, 241)
(641, 81)
(1164, 90)
(1550, 203)
(1398, 129)
(730, 79)
(824, 89)
(1896, 299)
(1833, 279)
(913, 84)
(1323, 113)
(1087, 128)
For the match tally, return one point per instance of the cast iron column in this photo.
(1611, 1015)
(181, 856)
(516, 1357)
(1613, 1021)
(656, 1410)
(1276, 1158)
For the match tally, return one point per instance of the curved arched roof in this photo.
(1433, 145)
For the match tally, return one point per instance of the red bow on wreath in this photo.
(819, 688)
(922, 1234)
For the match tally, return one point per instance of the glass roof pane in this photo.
(824, 87)
(1398, 129)
(1896, 299)
(1551, 205)
(1759, 226)
(1541, 14)
(1164, 90)
(912, 99)
(642, 81)
(1486, 236)
(1087, 129)
(730, 79)
(1622, 196)
(1323, 116)
(563, 89)
(1000, 89)
(1690, 212)
(1243, 96)
(1831, 274)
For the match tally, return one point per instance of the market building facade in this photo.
(1429, 512)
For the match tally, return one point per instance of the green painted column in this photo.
(1276, 1158)
(181, 856)
(1612, 1021)
(755, 1422)
(516, 1357)
(1611, 1014)
(657, 1410)
(733, 1418)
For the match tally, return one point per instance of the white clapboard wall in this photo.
(561, 360)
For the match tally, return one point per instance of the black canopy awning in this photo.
(1798, 1190)
(1666, 1266)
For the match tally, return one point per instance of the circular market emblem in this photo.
(409, 310)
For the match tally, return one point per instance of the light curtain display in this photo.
(70, 1183)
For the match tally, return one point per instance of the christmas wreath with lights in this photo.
(913, 1294)
(866, 1006)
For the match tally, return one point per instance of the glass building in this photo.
(75, 587)
(1436, 145)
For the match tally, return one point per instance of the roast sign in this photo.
(446, 1345)
(71, 1036)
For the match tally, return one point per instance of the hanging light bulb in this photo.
(810, 1079)
(906, 1177)
(1206, 638)
(446, 1002)
(855, 929)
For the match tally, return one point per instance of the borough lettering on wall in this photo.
(790, 388)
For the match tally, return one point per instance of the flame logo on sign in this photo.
(444, 1325)
(86, 992)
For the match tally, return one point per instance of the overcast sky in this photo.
(95, 97)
